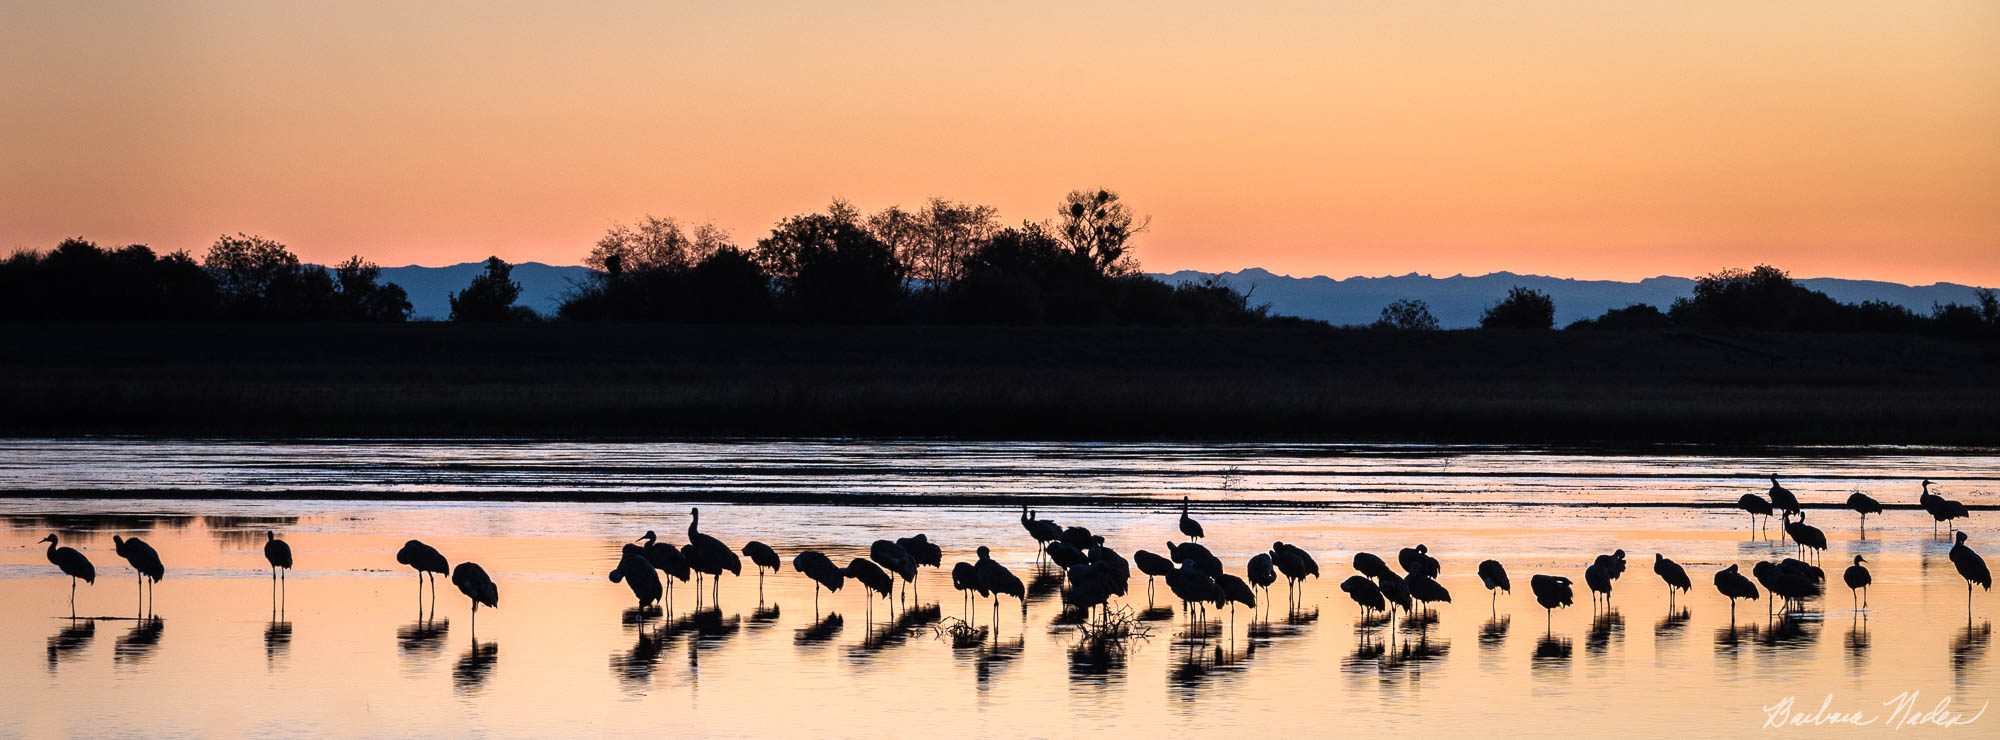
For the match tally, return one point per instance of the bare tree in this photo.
(655, 243)
(932, 242)
(1096, 224)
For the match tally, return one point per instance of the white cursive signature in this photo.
(1900, 711)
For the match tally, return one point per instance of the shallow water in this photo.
(349, 654)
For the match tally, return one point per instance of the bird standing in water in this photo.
(1673, 574)
(1864, 505)
(144, 560)
(72, 564)
(1857, 579)
(279, 554)
(1971, 567)
(1189, 527)
(472, 581)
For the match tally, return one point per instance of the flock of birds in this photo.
(1094, 573)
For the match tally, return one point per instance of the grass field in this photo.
(1043, 383)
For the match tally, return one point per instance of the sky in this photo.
(1578, 139)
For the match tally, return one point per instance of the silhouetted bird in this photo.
(996, 580)
(1368, 564)
(1803, 568)
(424, 559)
(1598, 578)
(278, 553)
(1613, 564)
(1296, 565)
(635, 571)
(1154, 566)
(1091, 585)
(1077, 537)
(871, 577)
(1118, 572)
(1396, 590)
(1065, 555)
(1970, 566)
(710, 556)
(1417, 561)
(1189, 527)
(472, 581)
(820, 568)
(762, 557)
(1940, 508)
(143, 560)
(1236, 591)
(1190, 552)
(1043, 530)
(72, 564)
(1365, 593)
(1262, 572)
(668, 559)
(1857, 578)
(894, 559)
(920, 548)
(1673, 574)
(1494, 576)
(1863, 504)
(1732, 584)
(1793, 584)
(1784, 502)
(965, 579)
(1426, 589)
(1552, 592)
(1755, 506)
(1193, 586)
(1806, 535)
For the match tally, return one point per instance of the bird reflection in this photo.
(469, 674)
(988, 662)
(138, 644)
(70, 639)
(1493, 633)
(1552, 652)
(1157, 614)
(819, 632)
(421, 640)
(1673, 624)
(895, 632)
(1857, 641)
(1097, 661)
(634, 668)
(764, 615)
(1607, 627)
(1968, 648)
(277, 640)
(1044, 584)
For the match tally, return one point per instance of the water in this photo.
(350, 655)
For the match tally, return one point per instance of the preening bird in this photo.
(424, 559)
(965, 579)
(1194, 586)
(1065, 555)
(871, 577)
(144, 561)
(1262, 572)
(1117, 571)
(72, 564)
(1395, 590)
(1236, 591)
(1673, 574)
(1857, 578)
(1191, 552)
(1426, 589)
(820, 568)
(472, 581)
(921, 549)
(1417, 561)
(1296, 564)
(710, 556)
(1189, 527)
(1371, 565)
(635, 571)
(1970, 566)
(1552, 592)
(1494, 576)
(1755, 506)
(1154, 566)
(1734, 585)
(1365, 593)
(996, 580)
(1863, 504)
(1598, 578)
(1077, 537)
(763, 558)
(894, 559)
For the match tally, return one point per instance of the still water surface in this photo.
(351, 654)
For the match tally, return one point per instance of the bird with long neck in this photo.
(72, 564)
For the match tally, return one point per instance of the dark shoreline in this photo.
(593, 381)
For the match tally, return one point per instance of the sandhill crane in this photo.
(1806, 536)
(72, 564)
(1154, 566)
(1552, 592)
(279, 554)
(1417, 561)
(1426, 589)
(1863, 504)
(472, 581)
(872, 578)
(424, 559)
(1972, 567)
(1235, 591)
(1365, 593)
(1043, 530)
(820, 568)
(144, 561)
(1262, 573)
(711, 557)
(1940, 508)
(1371, 565)
(1755, 506)
(635, 571)
(1857, 578)
(1494, 576)
(965, 579)
(1189, 527)
(1673, 574)
(996, 580)
(1191, 552)
(762, 558)
(1731, 583)
(1194, 586)
(894, 559)
(668, 559)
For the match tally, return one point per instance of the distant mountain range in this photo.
(1457, 301)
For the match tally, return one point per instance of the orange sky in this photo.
(1602, 140)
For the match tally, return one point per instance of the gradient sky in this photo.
(1584, 139)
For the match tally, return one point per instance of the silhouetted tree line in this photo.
(946, 262)
(241, 278)
(1763, 298)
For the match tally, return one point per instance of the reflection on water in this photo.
(474, 667)
(68, 640)
(581, 660)
(138, 644)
